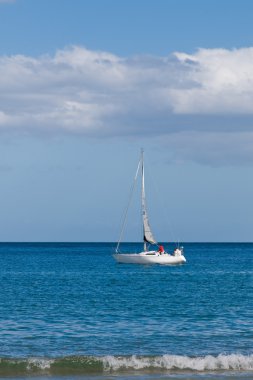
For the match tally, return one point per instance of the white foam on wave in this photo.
(39, 363)
(177, 362)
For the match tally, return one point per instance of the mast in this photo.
(143, 198)
(147, 233)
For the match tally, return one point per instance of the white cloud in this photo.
(223, 82)
(201, 102)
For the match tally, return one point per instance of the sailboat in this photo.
(147, 256)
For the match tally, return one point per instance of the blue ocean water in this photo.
(70, 309)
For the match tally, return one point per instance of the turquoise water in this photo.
(70, 310)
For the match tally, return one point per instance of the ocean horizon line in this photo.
(126, 242)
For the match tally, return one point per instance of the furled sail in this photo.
(148, 236)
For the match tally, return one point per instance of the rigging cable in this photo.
(128, 205)
(164, 207)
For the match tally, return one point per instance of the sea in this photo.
(69, 311)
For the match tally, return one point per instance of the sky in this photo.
(85, 84)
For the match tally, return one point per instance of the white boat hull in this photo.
(149, 258)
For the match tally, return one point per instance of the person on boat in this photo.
(177, 252)
(161, 249)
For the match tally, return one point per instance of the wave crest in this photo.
(177, 362)
(97, 364)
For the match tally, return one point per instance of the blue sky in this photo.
(124, 27)
(85, 84)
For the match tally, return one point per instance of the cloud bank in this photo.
(199, 106)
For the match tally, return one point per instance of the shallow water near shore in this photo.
(68, 310)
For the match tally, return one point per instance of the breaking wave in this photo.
(103, 364)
